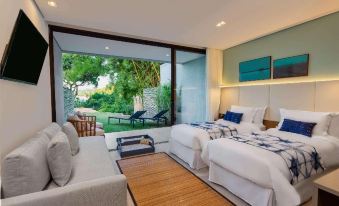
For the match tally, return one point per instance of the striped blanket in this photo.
(302, 160)
(216, 131)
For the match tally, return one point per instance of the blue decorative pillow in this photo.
(233, 117)
(298, 127)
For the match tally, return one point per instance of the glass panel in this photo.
(123, 80)
(190, 87)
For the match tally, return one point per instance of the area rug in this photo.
(160, 135)
(157, 179)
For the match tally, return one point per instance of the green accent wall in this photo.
(319, 38)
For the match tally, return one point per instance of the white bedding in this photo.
(197, 139)
(266, 168)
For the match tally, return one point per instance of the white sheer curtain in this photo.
(214, 66)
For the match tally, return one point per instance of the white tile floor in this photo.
(202, 173)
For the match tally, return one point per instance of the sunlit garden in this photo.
(108, 86)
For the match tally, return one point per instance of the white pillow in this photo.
(334, 125)
(72, 136)
(248, 113)
(321, 118)
(259, 116)
(59, 159)
(25, 169)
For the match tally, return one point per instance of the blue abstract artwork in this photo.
(295, 66)
(256, 69)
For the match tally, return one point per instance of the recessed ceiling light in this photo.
(220, 24)
(107, 48)
(52, 4)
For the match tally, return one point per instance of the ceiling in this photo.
(188, 22)
(91, 45)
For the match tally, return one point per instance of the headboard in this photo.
(322, 96)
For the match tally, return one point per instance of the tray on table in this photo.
(130, 146)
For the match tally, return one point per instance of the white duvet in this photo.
(266, 168)
(197, 139)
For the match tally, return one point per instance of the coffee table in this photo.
(130, 146)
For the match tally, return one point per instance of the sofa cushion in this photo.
(92, 161)
(72, 136)
(25, 170)
(59, 158)
(52, 130)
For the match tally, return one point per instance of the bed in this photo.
(188, 141)
(260, 176)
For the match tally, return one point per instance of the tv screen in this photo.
(25, 53)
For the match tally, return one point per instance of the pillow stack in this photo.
(321, 119)
(253, 115)
(233, 117)
(298, 127)
(47, 154)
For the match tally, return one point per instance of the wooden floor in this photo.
(157, 179)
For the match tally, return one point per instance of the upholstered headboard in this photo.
(322, 96)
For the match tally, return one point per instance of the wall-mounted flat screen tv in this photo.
(25, 53)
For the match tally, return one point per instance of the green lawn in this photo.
(114, 125)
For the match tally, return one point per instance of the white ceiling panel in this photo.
(91, 45)
(188, 22)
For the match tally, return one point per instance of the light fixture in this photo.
(167, 55)
(220, 24)
(52, 4)
(107, 48)
(278, 82)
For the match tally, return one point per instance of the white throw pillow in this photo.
(259, 116)
(59, 159)
(334, 125)
(321, 118)
(72, 136)
(25, 169)
(248, 113)
(52, 130)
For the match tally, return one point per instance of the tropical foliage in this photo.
(80, 70)
(128, 78)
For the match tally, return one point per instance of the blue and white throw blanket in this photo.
(302, 159)
(216, 131)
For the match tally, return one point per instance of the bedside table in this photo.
(327, 189)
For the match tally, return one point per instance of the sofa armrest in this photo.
(110, 190)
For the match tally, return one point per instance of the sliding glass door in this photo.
(190, 87)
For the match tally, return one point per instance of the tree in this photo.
(128, 79)
(83, 69)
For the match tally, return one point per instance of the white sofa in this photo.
(93, 181)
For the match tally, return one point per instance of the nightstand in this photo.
(326, 190)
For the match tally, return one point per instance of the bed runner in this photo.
(302, 160)
(216, 131)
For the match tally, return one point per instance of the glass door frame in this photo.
(174, 77)
(174, 48)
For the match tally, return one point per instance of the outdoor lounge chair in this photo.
(158, 117)
(133, 118)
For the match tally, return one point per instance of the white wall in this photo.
(24, 109)
(214, 65)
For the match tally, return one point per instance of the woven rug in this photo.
(157, 179)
